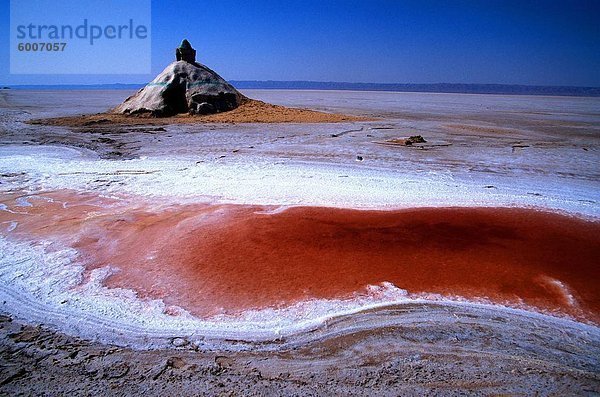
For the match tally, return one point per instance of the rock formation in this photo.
(185, 52)
(185, 86)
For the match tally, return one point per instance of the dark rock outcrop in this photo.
(414, 139)
(185, 52)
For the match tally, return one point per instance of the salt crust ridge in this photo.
(266, 182)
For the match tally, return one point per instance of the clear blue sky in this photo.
(479, 41)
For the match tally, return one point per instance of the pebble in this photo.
(178, 342)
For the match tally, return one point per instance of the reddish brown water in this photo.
(211, 259)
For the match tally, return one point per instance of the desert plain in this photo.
(273, 251)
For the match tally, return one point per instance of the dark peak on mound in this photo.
(185, 52)
(185, 86)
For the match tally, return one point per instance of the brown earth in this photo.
(455, 351)
(250, 111)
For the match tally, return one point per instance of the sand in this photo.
(250, 111)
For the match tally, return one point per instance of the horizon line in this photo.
(442, 88)
(3, 86)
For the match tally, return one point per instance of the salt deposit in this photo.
(554, 169)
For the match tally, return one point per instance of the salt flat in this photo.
(481, 150)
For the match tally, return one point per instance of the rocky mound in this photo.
(185, 86)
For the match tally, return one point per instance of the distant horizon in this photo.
(458, 88)
(318, 82)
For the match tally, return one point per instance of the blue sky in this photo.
(484, 41)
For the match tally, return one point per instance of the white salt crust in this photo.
(265, 182)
